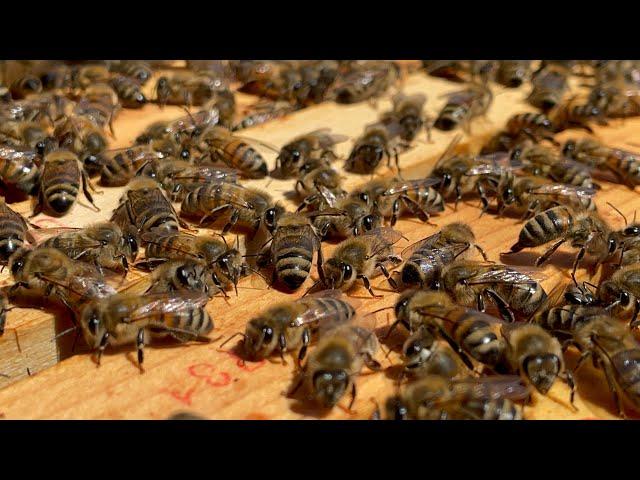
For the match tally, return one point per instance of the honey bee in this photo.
(182, 275)
(513, 292)
(425, 259)
(621, 293)
(408, 112)
(136, 69)
(366, 82)
(357, 216)
(102, 244)
(359, 258)
(436, 397)
(222, 145)
(15, 230)
(19, 169)
(60, 182)
(49, 273)
(83, 137)
(585, 230)
(536, 356)
(534, 194)
(414, 196)
(320, 177)
(186, 89)
(369, 150)
(316, 146)
(125, 318)
(31, 134)
(338, 358)
(117, 167)
(512, 73)
(178, 177)
(453, 70)
(536, 126)
(247, 207)
(87, 75)
(463, 106)
(271, 111)
(541, 160)
(145, 207)
(549, 86)
(128, 91)
(56, 77)
(423, 355)
(624, 165)
(293, 243)
(226, 264)
(615, 100)
(572, 114)
(290, 326)
(25, 85)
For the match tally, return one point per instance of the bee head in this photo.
(271, 218)
(541, 370)
(130, 245)
(402, 308)
(569, 148)
(396, 408)
(613, 295)
(231, 264)
(338, 273)
(17, 261)
(93, 327)
(417, 349)
(330, 386)
(260, 339)
(366, 224)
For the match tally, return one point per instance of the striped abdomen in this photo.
(128, 91)
(568, 318)
(451, 115)
(194, 320)
(150, 209)
(425, 264)
(571, 175)
(626, 371)
(238, 154)
(171, 246)
(292, 257)
(59, 184)
(627, 166)
(533, 122)
(499, 409)
(367, 154)
(333, 309)
(479, 340)
(204, 200)
(118, 169)
(12, 233)
(18, 170)
(523, 298)
(544, 227)
(428, 198)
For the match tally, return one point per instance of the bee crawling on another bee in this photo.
(378, 141)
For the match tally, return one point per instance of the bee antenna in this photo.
(621, 214)
(232, 337)
(64, 332)
(380, 310)
(311, 288)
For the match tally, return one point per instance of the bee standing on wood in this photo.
(369, 150)
(14, 230)
(463, 106)
(313, 147)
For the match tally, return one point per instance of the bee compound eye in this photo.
(347, 270)
(267, 334)
(625, 298)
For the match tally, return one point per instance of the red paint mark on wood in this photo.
(185, 398)
(209, 374)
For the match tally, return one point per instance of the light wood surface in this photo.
(216, 384)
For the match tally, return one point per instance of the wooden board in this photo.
(215, 383)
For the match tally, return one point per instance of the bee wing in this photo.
(624, 153)
(568, 163)
(564, 190)
(502, 274)
(461, 96)
(384, 237)
(430, 240)
(418, 99)
(91, 285)
(410, 185)
(163, 303)
(215, 174)
(16, 154)
(493, 387)
(41, 234)
(326, 138)
(315, 312)
(231, 195)
(327, 195)
(262, 143)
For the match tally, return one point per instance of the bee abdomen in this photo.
(246, 159)
(11, 237)
(500, 409)
(195, 320)
(450, 116)
(293, 265)
(544, 227)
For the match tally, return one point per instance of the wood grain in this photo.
(215, 383)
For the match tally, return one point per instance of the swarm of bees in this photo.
(481, 337)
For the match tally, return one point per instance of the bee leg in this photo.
(353, 394)
(39, 206)
(371, 363)
(614, 393)
(232, 221)
(395, 211)
(306, 339)
(296, 387)
(456, 348)
(482, 252)
(634, 319)
(568, 379)
(503, 306)
(545, 256)
(367, 285)
(385, 272)
(416, 209)
(103, 344)
(85, 189)
(282, 343)
(577, 260)
(458, 197)
(140, 347)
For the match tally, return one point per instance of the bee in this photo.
(536, 126)
(585, 230)
(624, 165)
(436, 397)
(60, 182)
(226, 264)
(272, 111)
(316, 146)
(425, 355)
(102, 244)
(621, 293)
(408, 112)
(357, 216)
(56, 77)
(512, 73)
(359, 258)
(83, 137)
(86, 75)
(182, 275)
(453, 70)
(513, 292)
(25, 85)
(463, 106)
(186, 89)
(19, 168)
(615, 100)
(320, 177)
(339, 357)
(49, 273)
(136, 69)
(13, 233)
(145, 207)
(572, 114)
(417, 197)
(222, 145)
(425, 259)
(293, 243)
(289, 326)
(124, 318)
(534, 194)
(247, 207)
(366, 82)
(33, 135)
(541, 160)
(178, 177)
(549, 86)
(117, 167)
(369, 150)
(128, 91)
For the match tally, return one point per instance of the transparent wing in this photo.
(209, 172)
(410, 185)
(164, 303)
(425, 242)
(42, 234)
(316, 312)
(384, 236)
(561, 189)
(328, 195)
(90, 286)
(12, 154)
(494, 387)
(501, 274)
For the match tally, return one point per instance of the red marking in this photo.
(241, 363)
(185, 397)
(206, 371)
